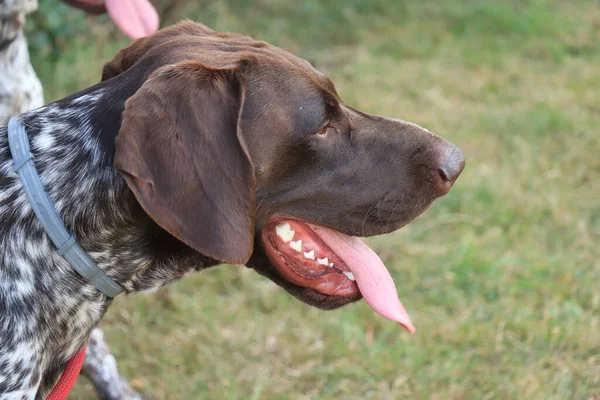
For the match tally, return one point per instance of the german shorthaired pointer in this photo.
(200, 148)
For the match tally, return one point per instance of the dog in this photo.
(199, 148)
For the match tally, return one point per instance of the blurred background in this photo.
(501, 276)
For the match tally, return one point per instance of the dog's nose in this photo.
(453, 162)
(453, 166)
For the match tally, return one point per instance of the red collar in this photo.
(68, 377)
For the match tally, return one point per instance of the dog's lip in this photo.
(328, 280)
(305, 294)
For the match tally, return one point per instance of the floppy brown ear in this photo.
(181, 150)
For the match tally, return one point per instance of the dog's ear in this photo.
(182, 152)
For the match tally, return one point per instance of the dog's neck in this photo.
(73, 154)
(73, 146)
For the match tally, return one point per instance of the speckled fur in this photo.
(381, 175)
(47, 310)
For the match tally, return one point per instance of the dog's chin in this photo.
(261, 264)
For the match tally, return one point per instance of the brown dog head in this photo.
(246, 153)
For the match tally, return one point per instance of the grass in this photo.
(501, 276)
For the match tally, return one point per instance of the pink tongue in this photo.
(373, 279)
(136, 18)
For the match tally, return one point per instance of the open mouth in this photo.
(332, 264)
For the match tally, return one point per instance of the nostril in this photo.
(444, 174)
(453, 166)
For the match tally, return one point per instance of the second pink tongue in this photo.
(136, 18)
(373, 279)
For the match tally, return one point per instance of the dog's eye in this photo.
(326, 130)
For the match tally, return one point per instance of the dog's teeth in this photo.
(296, 245)
(331, 264)
(323, 261)
(285, 232)
(289, 236)
(310, 254)
(349, 275)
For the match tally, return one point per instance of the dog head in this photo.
(248, 155)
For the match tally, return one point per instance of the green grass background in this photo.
(501, 276)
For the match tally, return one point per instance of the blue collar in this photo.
(43, 207)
